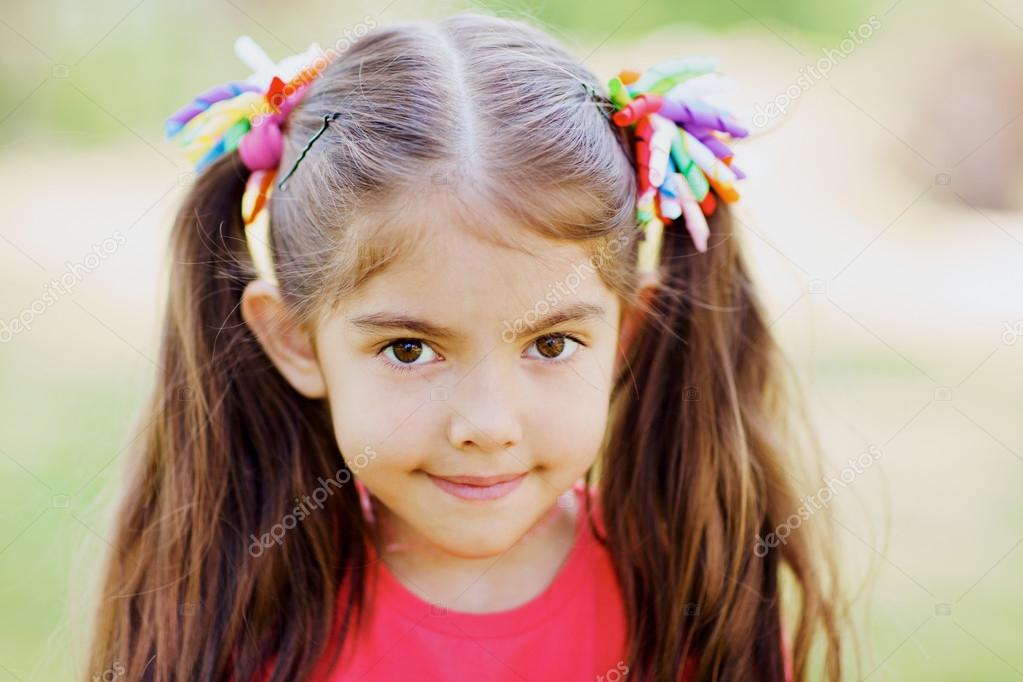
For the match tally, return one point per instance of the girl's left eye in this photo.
(555, 348)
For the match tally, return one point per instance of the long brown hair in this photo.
(697, 456)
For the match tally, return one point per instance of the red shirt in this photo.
(573, 630)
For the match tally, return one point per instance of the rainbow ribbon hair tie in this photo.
(681, 157)
(247, 116)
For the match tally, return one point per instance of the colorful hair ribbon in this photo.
(682, 159)
(247, 116)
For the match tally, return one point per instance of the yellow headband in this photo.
(256, 216)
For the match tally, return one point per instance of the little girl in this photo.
(463, 377)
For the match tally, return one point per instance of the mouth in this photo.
(478, 487)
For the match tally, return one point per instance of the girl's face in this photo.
(469, 359)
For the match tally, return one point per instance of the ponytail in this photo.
(197, 586)
(696, 469)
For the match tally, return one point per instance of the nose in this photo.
(484, 413)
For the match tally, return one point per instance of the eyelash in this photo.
(408, 369)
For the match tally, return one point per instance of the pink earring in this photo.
(365, 501)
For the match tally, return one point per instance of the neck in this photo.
(478, 585)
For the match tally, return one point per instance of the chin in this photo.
(477, 544)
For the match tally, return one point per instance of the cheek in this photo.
(569, 412)
(371, 411)
(569, 428)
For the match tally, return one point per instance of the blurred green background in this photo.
(882, 216)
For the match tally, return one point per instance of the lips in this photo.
(478, 487)
(480, 480)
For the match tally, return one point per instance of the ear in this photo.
(286, 343)
(632, 318)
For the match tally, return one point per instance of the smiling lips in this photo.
(478, 487)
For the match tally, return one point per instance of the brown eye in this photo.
(551, 346)
(407, 350)
(409, 355)
(555, 348)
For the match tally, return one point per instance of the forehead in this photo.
(450, 261)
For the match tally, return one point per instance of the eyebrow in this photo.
(389, 322)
